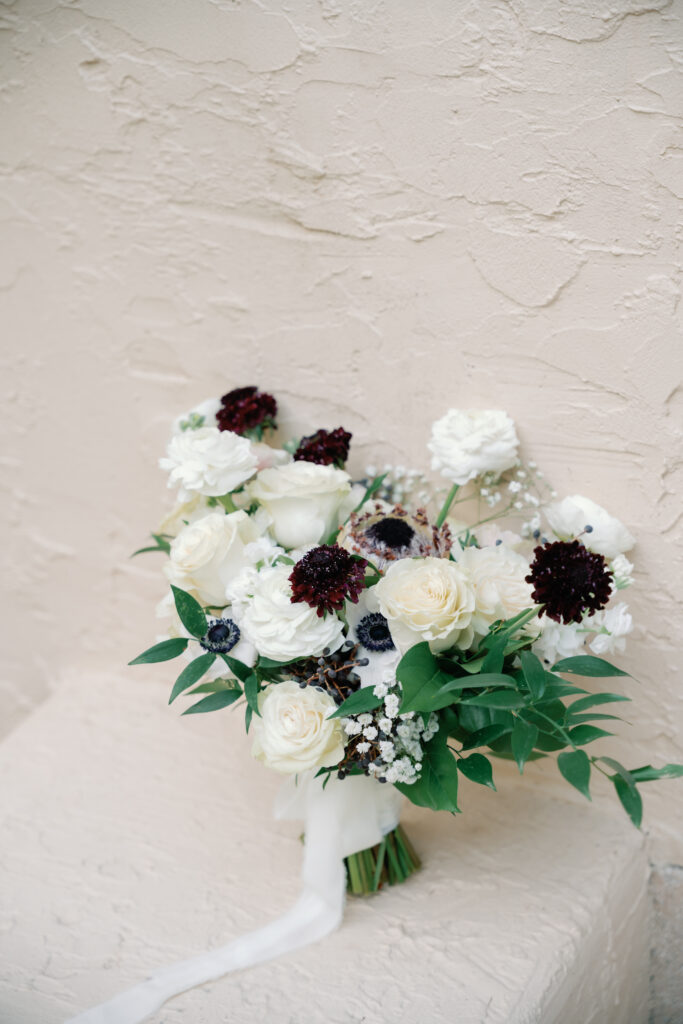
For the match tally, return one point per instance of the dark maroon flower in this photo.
(325, 447)
(246, 409)
(569, 580)
(326, 576)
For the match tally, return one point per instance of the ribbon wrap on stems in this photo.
(342, 819)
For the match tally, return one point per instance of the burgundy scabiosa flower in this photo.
(325, 448)
(569, 580)
(246, 409)
(326, 576)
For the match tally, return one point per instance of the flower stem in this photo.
(447, 504)
(388, 863)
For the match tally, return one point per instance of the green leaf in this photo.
(238, 668)
(595, 699)
(161, 545)
(556, 690)
(582, 734)
(502, 699)
(649, 774)
(477, 768)
(591, 716)
(371, 489)
(358, 702)
(214, 686)
(524, 736)
(251, 691)
(248, 714)
(534, 674)
(587, 665)
(164, 651)
(482, 737)
(625, 786)
(576, 768)
(493, 661)
(269, 663)
(437, 786)
(214, 702)
(191, 674)
(476, 682)
(422, 680)
(190, 612)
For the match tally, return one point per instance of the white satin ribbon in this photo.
(342, 819)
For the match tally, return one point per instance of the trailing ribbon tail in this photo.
(342, 819)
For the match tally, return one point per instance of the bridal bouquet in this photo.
(370, 628)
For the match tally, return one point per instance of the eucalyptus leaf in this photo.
(164, 651)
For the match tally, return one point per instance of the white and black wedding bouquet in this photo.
(373, 628)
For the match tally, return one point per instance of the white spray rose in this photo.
(622, 570)
(466, 443)
(303, 500)
(570, 517)
(207, 554)
(618, 623)
(427, 599)
(280, 628)
(496, 575)
(294, 732)
(208, 461)
(558, 640)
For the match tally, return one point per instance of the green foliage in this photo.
(422, 681)
(501, 699)
(214, 702)
(576, 768)
(437, 786)
(477, 768)
(587, 665)
(238, 668)
(190, 612)
(523, 739)
(626, 789)
(358, 702)
(191, 674)
(161, 544)
(534, 674)
(164, 651)
(649, 774)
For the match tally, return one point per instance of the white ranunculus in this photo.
(208, 461)
(618, 623)
(303, 500)
(207, 554)
(282, 629)
(294, 732)
(427, 599)
(497, 578)
(558, 640)
(607, 535)
(466, 443)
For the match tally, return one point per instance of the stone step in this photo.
(132, 837)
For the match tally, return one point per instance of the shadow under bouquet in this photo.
(389, 637)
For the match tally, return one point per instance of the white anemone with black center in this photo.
(369, 628)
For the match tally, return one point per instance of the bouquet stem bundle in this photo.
(388, 863)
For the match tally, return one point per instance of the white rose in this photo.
(558, 640)
(207, 554)
(208, 461)
(182, 514)
(570, 517)
(280, 628)
(618, 623)
(267, 456)
(497, 577)
(294, 732)
(303, 500)
(427, 599)
(466, 443)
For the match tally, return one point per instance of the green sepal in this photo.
(164, 651)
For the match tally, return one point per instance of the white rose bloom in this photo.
(618, 623)
(303, 500)
(294, 732)
(182, 514)
(267, 456)
(570, 517)
(427, 599)
(558, 640)
(496, 575)
(466, 443)
(207, 554)
(282, 629)
(208, 461)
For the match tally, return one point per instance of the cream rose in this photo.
(496, 575)
(427, 599)
(607, 535)
(303, 500)
(280, 628)
(466, 443)
(208, 461)
(207, 554)
(294, 732)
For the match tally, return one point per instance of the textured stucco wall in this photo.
(374, 209)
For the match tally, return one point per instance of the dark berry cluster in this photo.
(246, 409)
(327, 576)
(325, 447)
(569, 580)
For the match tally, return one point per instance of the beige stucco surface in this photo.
(374, 210)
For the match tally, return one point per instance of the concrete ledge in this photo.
(132, 837)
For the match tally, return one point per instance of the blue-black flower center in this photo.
(221, 636)
(391, 531)
(373, 633)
